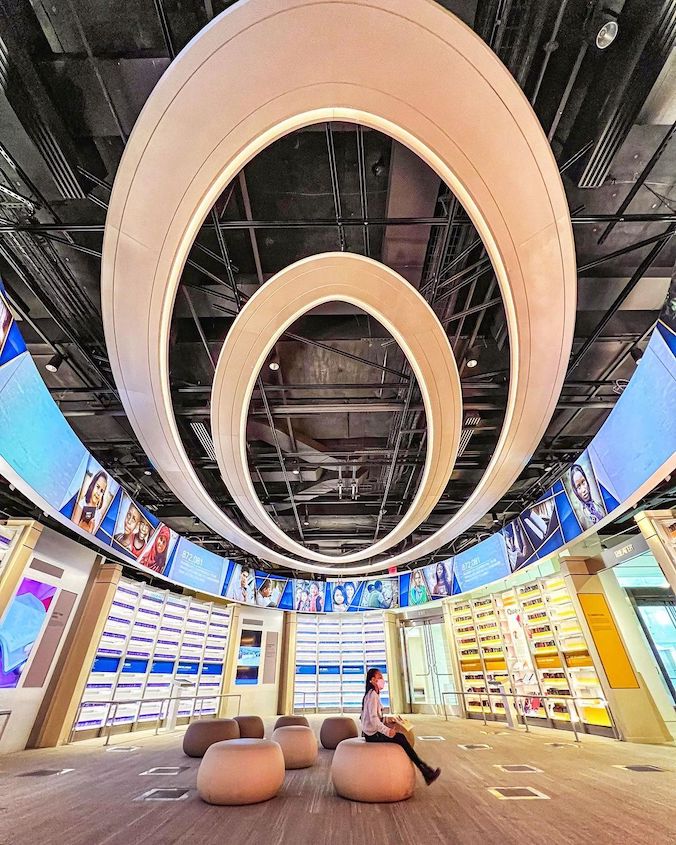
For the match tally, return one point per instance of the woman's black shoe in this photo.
(431, 775)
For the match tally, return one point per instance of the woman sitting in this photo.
(376, 729)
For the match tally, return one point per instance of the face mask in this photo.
(380, 684)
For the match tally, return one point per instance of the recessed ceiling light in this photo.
(274, 366)
(607, 34)
(147, 472)
(296, 472)
(54, 363)
(472, 363)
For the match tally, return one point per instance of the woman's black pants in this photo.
(399, 739)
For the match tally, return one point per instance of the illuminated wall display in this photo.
(151, 639)
(636, 443)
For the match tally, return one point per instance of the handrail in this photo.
(109, 723)
(570, 699)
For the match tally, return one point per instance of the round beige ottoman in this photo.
(241, 771)
(250, 727)
(285, 721)
(375, 772)
(410, 736)
(298, 744)
(205, 732)
(335, 729)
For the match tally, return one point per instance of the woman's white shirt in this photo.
(372, 716)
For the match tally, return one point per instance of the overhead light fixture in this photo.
(472, 363)
(54, 363)
(378, 168)
(147, 472)
(306, 522)
(296, 471)
(274, 365)
(606, 34)
(636, 354)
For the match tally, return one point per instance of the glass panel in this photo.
(640, 571)
(441, 661)
(420, 679)
(660, 623)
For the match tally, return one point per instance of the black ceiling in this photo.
(74, 77)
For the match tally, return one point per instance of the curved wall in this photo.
(39, 452)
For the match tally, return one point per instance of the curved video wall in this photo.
(43, 457)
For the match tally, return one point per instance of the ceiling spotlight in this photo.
(636, 354)
(606, 34)
(195, 520)
(54, 363)
(306, 522)
(274, 365)
(296, 471)
(147, 472)
(378, 168)
(472, 363)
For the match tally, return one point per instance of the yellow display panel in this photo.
(608, 643)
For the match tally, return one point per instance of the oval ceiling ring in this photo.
(506, 178)
(397, 305)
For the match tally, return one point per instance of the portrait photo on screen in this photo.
(380, 593)
(518, 544)
(583, 492)
(269, 591)
(341, 593)
(418, 592)
(20, 628)
(439, 578)
(6, 320)
(95, 496)
(158, 551)
(540, 521)
(308, 596)
(132, 529)
(242, 586)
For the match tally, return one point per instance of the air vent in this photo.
(204, 438)
(469, 426)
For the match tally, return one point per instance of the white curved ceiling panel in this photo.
(264, 68)
(399, 307)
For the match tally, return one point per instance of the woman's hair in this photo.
(92, 485)
(370, 675)
(341, 590)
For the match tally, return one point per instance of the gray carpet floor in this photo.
(589, 800)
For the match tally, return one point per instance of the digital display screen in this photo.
(248, 657)
(20, 628)
(41, 454)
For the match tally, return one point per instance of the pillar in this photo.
(288, 667)
(653, 525)
(395, 663)
(29, 533)
(633, 708)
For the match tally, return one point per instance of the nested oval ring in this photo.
(264, 68)
(397, 305)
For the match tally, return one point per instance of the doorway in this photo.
(428, 666)
(656, 611)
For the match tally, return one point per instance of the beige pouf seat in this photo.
(205, 732)
(374, 772)
(241, 771)
(250, 727)
(298, 744)
(335, 729)
(286, 721)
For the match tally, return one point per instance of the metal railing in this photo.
(109, 722)
(571, 704)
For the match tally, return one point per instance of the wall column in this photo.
(657, 542)
(395, 663)
(57, 713)
(633, 708)
(288, 670)
(29, 533)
